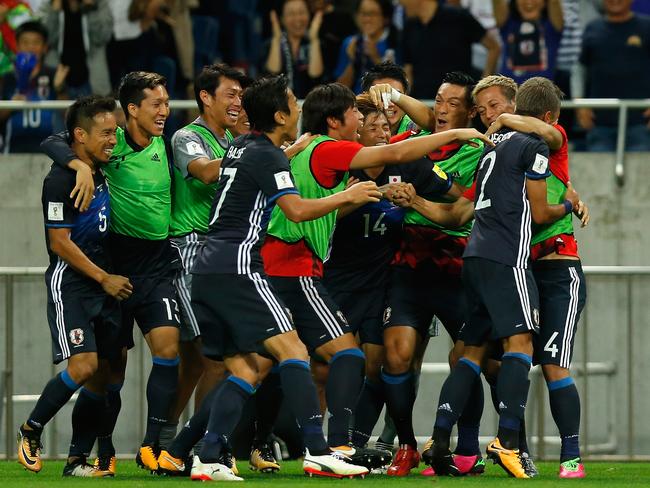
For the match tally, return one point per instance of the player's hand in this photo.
(390, 190)
(276, 28)
(572, 196)
(314, 27)
(302, 142)
(405, 196)
(117, 286)
(382, 95)
(582, 212)
(466, 136)
(351, 181)
(585, 118)
(84, 188)
(495, 126)
(364, 192)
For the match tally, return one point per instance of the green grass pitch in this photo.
(599, 474)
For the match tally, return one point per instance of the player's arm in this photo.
(56, 147)
(298, 209)
(529, 125)
(542, 212)
(412, 149)
(301, 143)
(422, 115)
(450, 215)
(61, 245)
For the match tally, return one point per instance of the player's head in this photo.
(91, 127)
(243, 125)
(493, 96)
(32, 37)
(539, 97)
(395, 76)
(218, 89)
(144, 99)
(295, 17)
(453, 108)
(331, 110)
(271, 106)
(375, 130)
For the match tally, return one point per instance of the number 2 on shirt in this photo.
(483, 202)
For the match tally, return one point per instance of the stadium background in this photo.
(614, 330)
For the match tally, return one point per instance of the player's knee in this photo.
(553, 372)
(398, 357)
(522, 343)
(167, 350)
(82, 370)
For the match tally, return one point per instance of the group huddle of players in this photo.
(259, 269)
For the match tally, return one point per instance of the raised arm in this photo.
(529, 125)
(422, 115)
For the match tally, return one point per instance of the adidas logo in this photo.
(502, 406)
(155, 158)
(445, 406)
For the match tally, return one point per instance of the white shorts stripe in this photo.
(276, 309)
(320, 307)
(524, 299)
(570, 325)
(57, 298)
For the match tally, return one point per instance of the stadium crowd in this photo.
(261, 265)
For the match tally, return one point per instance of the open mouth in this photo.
(441, 124)
(233, 115)
(108, 151)
(160, 124)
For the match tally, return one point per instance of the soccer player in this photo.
(198, 150)
(395, 76)
(82, 309)
(501, 292)
(294, 253)
(364, 242)
(139, 178)
(426, 274)
(238, 311)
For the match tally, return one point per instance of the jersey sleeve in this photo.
(58, 209)
(275, 178)
(534, 157)
(187, 146)
(429, 179)
(56, 147)
(330, 159)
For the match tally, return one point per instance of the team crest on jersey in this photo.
(535, 317)
(76, 336)
(340, 315)
(55, 211)
(387, 312)
(395, 179)
(541, 164)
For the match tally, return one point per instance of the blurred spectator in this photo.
(336, 26)
(12, 14)
(531, 31)
(31, 80)
(296, 49)
(179, 11)
(239, 29)
(79, 31)
(483, 12)
(438, 39)
(376, 42)
(615, 63)
(641, 7)
(123, 52)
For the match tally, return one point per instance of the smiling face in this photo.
(98, 142)
(393, 112)
(450, 109)
(348, 130)
(370, 18)
(491, 102)
(295, 18)
(375, 130)
(224, 106)
(151, 114)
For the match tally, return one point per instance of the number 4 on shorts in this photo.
(550, 346)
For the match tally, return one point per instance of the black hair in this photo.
(386, 69)
(263, 99)
(386, 6)
(32, 26)
(133, 85)
(82, 111)
(461, 79)
(324, 101)
(209, 80)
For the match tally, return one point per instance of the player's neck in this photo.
(213, 125)
(137, 135)
(81, 154)
(278, 137)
